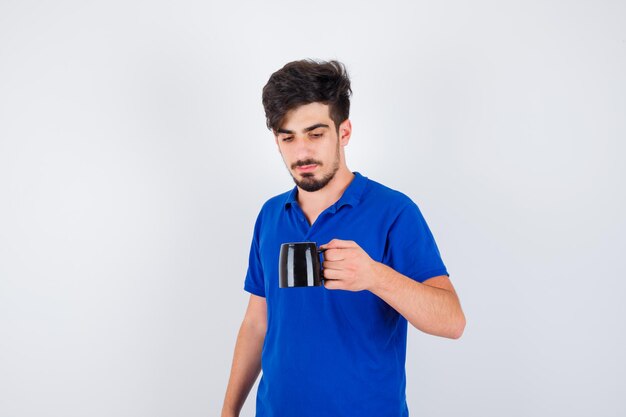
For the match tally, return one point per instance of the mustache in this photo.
(305, 162)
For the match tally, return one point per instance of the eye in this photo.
(316, 135)
(287, 139)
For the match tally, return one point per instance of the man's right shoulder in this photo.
(276, 202)
(271, 209)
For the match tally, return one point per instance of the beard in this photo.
(309, 182)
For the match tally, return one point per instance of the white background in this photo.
(134, 158)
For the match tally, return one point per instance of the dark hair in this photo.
(304, 82)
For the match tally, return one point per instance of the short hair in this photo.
(304, 82)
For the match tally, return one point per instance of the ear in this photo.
(345, 131)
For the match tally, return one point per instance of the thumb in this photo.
(334, 244)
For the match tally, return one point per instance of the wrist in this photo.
(226, 413)
(379, 276)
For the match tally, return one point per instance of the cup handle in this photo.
(320, 252)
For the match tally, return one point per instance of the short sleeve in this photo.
(410, 248)
(255, 281)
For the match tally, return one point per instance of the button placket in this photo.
(300, 219)
(319, 222)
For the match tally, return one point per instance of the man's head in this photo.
(307, 105)
(303, 82)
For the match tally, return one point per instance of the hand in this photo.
(347, 266)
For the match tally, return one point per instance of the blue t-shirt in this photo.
(336, 353)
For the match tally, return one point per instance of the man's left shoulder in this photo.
(386, 195)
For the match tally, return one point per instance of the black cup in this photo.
(299, 265)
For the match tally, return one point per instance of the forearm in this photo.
(432, 310)
(245, 368)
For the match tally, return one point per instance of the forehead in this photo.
(307, 115)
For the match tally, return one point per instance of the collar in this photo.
(351, 196)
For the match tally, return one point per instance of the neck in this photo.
(321, 199)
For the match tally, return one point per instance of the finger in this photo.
(339, 254)
(329, 274)
(334, 274)
(331, 284)
(334, 255)
(336, 265)
(338, 244)
(328, 245)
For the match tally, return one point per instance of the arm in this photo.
(432, 307)
(247, 357)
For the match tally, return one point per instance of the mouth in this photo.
(306, 168)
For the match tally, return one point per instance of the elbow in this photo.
(450, 330)
(459, 327)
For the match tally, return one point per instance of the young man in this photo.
(339, 349)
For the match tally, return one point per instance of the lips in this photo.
(306, 168)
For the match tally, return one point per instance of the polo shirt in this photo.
(337, 353)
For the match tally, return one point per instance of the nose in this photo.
(304, 148)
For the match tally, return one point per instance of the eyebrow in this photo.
(307, 129)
